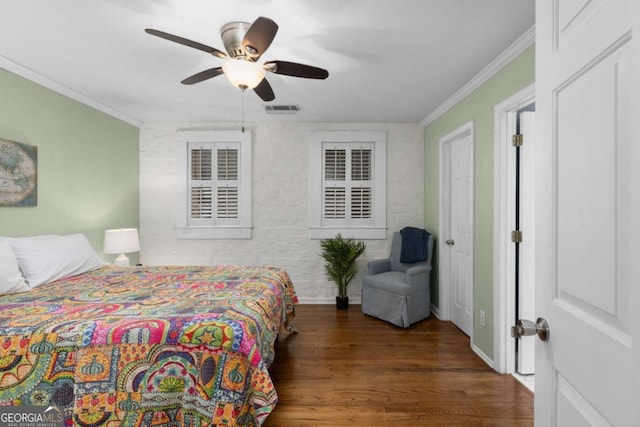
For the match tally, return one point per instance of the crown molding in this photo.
(525, 41)
(35, 77)
(513, 51)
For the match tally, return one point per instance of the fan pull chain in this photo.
(243, 95)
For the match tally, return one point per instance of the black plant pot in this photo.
(342, 303)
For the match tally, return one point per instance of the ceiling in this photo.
(388, 60)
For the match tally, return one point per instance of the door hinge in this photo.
(517, 140)
(516, 236)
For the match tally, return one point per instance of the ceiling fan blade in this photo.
(264, 91)
(187, 42)
(296, 70)
(259, 36)
(202, 75)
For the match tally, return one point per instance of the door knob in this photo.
(449, 242)
(526, 328)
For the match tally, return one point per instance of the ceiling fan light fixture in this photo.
(245, 43)
(243, 74)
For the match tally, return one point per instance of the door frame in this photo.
(504, 305)
(444, 264)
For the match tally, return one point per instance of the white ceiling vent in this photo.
(281, 109)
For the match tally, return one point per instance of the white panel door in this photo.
(461, 155)
(527, 273)
(588, 212)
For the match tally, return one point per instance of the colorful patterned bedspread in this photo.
(145, 346)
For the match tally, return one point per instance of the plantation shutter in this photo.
(347, 184)
(214, 186)
(200, 183)
(335, 192)
(361, 177)
(227, 185)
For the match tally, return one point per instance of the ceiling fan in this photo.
(245, 43)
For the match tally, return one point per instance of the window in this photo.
(348, 184)
(213, 185)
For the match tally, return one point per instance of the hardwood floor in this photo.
(347, 369)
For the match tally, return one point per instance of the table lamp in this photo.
(121, 241)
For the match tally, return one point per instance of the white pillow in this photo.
(44, 259)
(11, 280)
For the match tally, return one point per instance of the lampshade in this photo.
(121, 241)
(243, 74)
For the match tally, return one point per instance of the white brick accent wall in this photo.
(280, 202)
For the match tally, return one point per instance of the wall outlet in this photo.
(483, 319)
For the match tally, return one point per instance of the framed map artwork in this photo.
(18, 174)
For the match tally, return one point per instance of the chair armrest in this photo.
(378, 266)
(418, 276)
(418, 269)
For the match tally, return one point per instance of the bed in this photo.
(144, 346)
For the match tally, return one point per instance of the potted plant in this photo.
(340, 255)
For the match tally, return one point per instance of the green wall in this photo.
(87, 164)
(479, 108)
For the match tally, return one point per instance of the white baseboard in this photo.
(435, 311)
(326, 300)
(482, 355)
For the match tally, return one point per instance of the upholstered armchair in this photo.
(398, 292)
